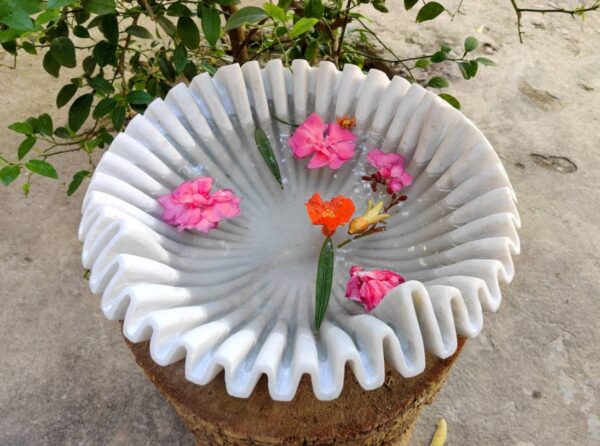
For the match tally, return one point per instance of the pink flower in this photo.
(370, 287)
(192, 206)
(390, 170)
(329, 144)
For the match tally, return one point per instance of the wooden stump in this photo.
(384, 416)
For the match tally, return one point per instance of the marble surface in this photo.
(241, 298)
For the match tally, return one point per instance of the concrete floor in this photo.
(531, 378)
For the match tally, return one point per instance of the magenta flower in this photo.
(390, 170)
(192, 206)
(329, 144)
(370, 287)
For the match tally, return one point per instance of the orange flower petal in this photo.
(329, 214)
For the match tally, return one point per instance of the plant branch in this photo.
(388, 49)
(237, 36)
(580, 10)
(340, 44)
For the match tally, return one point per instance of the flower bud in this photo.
(361, 224)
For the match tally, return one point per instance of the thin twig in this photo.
(388, 49)
(572, 12)
(340, 45)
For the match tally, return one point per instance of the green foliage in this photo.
(471, 44)
(117, 56)
(266, 151)
(429, 11)
(438, 82)
(247, 15)
(324, 281)
(450, 100)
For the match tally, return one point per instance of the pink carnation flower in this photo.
(329, 144)
(390, 170)
(192, 206)
(370, 287)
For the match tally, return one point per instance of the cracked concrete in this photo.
(531, 378)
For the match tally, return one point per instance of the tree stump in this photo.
(384, 416)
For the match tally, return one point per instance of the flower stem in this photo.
(285, 122)
(373, 230)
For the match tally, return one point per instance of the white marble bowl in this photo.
(242, 297)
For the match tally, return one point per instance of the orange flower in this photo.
(330, 214)
(346, 122)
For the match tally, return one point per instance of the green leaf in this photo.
(179, 10)
(89, 64)
(324, 280)
(28, 47)
(81, 32)
(248, 14)
(26, 146)
(33, 122)
(188, 32)
(45, 125)
(50, 64)
(138, 97)
(266, 151)
(190, 71)
(138, 31)
(450, 100)
(53, 4)
(99, 6)
(408, 4)
(76, 181)
(101, 85)
(380, 6)
(429, 12)
(9, 174)
(105, 53)
(313, 9)
(110, 28)
(311, 51)
(302, 26)
(438, 57)
(228, 2)
(118, 117)
(63, 51)
(438, 82)
(275, 12)
(180, 58)
(422, 63)
(81, 16)
(468, 68)
(211, 24)
(21, 127)
(50, 15)
(104, 107)
(285, 4)
(62, 132)
(167, 69)
(473, 66)
(79, 111)
(471, 43)
(486, 61)
(42, 168)
(167, 26)
(16, 18)
(10, 47)
(25, 187)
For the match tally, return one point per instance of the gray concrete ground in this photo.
(531, 378)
